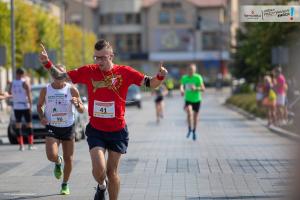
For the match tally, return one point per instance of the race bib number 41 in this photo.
(104, 109)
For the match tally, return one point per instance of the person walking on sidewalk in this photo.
(191, 88)
(107, 84)
(269, 100)
(56, 111)
(22, 105)
(281, 91)
(160, 92)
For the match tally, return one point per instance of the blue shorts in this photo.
(115, 141)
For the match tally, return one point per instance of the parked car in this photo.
(134, 96)
(40, 130)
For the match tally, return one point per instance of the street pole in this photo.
(12, 35)
(83, 32)
(62, 24)
(222, 24)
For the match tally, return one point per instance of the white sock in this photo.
(59, 160)
(103, 186)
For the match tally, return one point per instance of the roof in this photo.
(199, 3)
(207, 3)
(89, 3)
(148, 3)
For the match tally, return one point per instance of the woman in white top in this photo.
(56, 108)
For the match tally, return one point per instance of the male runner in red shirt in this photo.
(107, 85)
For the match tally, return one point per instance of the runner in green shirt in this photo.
(191, 88)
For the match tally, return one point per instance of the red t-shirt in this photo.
(107, 93)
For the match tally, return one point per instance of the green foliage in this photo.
(4, 28)
(73, 46)
(245, 88)
(25, 32)
(247, 102)
(39, 26)
(254, 46)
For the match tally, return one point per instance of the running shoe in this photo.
(58, 168)
(65, 190)
(100, 194)
(194, 136)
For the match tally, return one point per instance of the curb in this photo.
(277, 130)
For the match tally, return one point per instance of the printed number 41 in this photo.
(103, 110)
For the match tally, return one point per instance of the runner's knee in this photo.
(112, 174)
(99, 173)
(52, 157)
(68, 159)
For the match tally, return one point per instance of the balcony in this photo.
(133, 56)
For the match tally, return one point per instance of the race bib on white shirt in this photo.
(189, 86)
(104, 109)
(59, 118)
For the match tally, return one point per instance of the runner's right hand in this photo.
(43, 55)
(75, 101)
(181, 92)
(44, 121)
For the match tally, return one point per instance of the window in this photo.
(198, 23)
(106, 19)
(109, 18)
(102, 36)
(170, 5)
(128, 43)
(119, 43)
(180, 17)
(210, 41)
(102, 19)
(129, 18)
(138, 43)
(138, 18)
(119, 18)
(164, 17)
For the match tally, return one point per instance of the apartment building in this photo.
(178, 32)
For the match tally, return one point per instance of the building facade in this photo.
(178, 32)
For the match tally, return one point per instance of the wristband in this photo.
(160, 77)
(48, 64)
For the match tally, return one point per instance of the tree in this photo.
(42, 27)
(5, 30)
(73, 46)
(25, 31)
(255, 43)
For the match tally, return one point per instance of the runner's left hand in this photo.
(162, 70)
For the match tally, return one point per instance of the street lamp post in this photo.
(83, 31)
(62, 24)
(12, 36)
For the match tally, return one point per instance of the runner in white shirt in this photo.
(22, 104)
(56, 111)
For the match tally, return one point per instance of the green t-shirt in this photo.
(188, 81)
